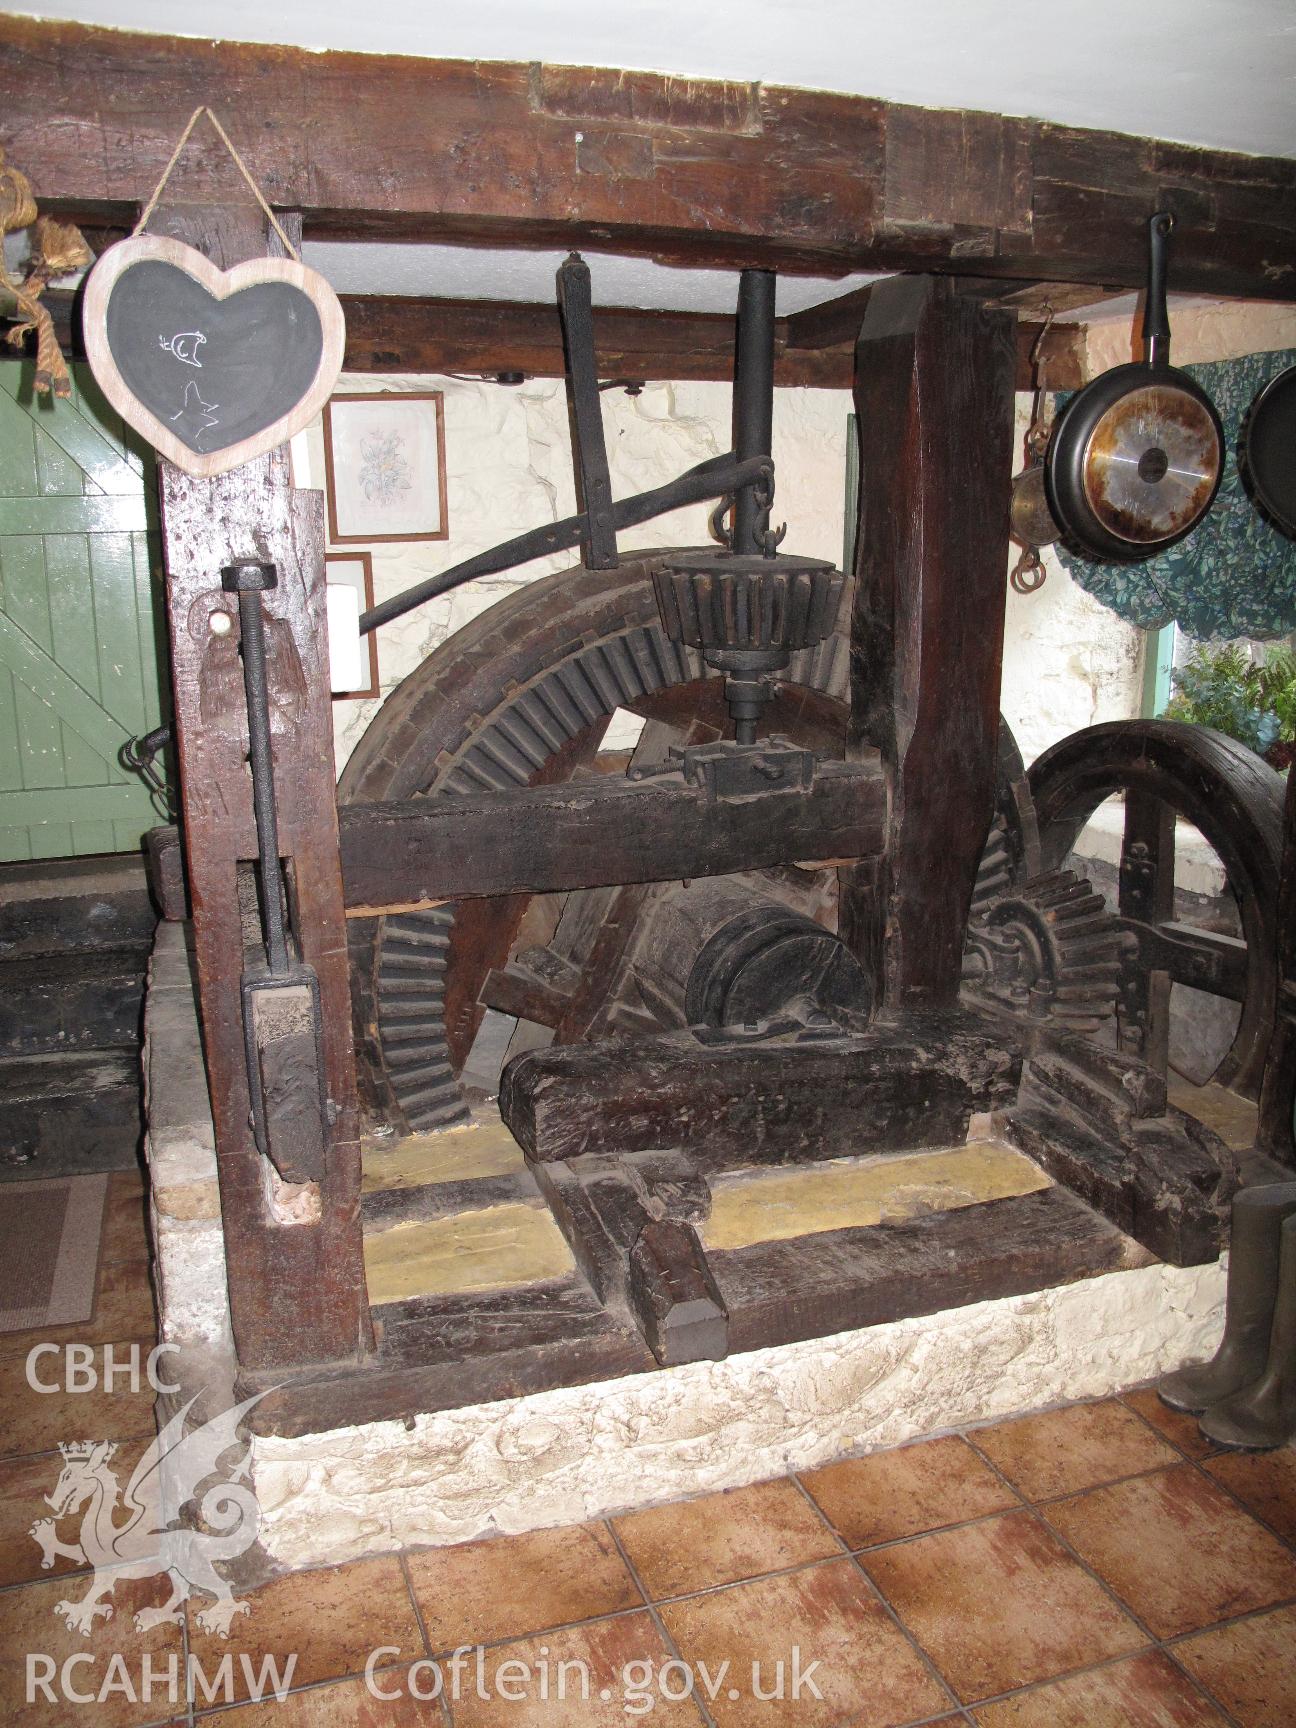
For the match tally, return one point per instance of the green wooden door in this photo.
(80, 612)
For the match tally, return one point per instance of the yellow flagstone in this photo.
(455, 1154)
(848, 1193)
(489, 1249)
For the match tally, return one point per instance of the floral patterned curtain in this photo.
(1235, 575)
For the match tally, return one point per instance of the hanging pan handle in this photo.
(1156, 320)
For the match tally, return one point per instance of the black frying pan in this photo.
(1267, 452)
(1136, 456)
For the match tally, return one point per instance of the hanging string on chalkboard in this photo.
(214, 367)
(239, 163)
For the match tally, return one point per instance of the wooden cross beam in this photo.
(603, 831)
(682, 170)
(600, 832)
(813, 349)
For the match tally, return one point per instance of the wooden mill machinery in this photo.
(820, 911)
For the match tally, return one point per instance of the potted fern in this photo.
(1253, 701)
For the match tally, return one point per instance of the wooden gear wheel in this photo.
(1235, 800)
(523, 695)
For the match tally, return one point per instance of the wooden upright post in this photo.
(933, 393)
(1276, 1132)
(296, 1271)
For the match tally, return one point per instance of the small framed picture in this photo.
(384, 457)
(359, 666)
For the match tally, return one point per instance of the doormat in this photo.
(49, 1247)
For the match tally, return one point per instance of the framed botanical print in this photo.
(355, 570)
(384, 457)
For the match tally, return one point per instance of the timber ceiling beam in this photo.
(687, 171)
(406, 333)
(395, 333)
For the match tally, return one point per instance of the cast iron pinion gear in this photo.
(1047, 947)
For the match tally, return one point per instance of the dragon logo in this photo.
(151, 1538)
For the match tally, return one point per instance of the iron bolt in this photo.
(249, 576)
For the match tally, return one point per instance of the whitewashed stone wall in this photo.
(509, 468)
(1203, 329)
(1067, 661)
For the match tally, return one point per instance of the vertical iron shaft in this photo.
(575, 308)
(247, 580)
(753, 400)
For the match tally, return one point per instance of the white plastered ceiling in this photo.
(469, 273)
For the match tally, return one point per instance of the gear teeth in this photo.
(825, 667)
(1049, 880)
(1075, 907)
(991, 890)
(508, 748)
(1068, 940)
(1065, 890)
(994, 875)
(1098, 972)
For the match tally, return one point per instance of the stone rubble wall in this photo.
(180, 1145)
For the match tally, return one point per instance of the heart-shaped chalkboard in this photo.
(212, 366)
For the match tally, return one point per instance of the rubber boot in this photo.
(1263, 1415)
(1258, 1215)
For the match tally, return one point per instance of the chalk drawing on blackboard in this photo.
(264, 340)
(384, 473)
(194, 416)
(184, 345)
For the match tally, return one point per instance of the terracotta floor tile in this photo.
(123, 1309)
(125, 1227)
(868, 1673)
(1264, 1481)
(32, 1421)
(724, 1537)
(346, 1704)
(30, 1627)
(1000, 1604)
(1177, 1549)
(1063, 1451)
(1146, 1691)
(1250, 1667)
(134, 1179)
(908, 1491)
(329, 1620)
(1179, 1429)
(24, 1485)
(483, 1592)
(593, 1658)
